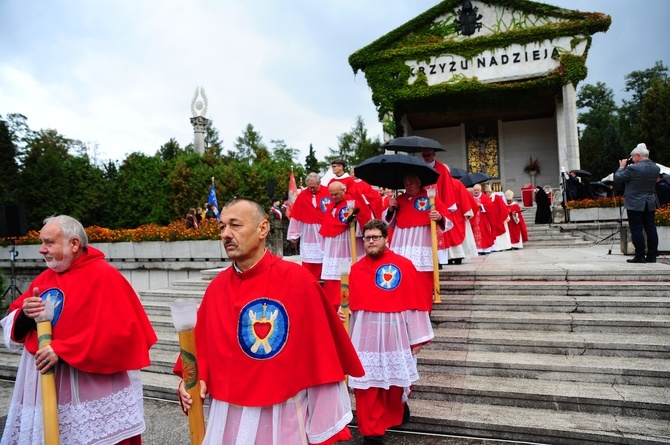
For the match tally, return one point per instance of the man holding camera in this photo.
(640, 202)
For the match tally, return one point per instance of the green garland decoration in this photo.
(383, 61)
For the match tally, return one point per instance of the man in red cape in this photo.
(445, 191)
(272, 353)
(482, 222)
(518, 233)
(411, 214)
(337, 242)
(306, 217)
(390, 323)
(101, 339)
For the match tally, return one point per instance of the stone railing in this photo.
(597, 214)
(147, 265)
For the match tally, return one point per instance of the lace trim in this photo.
(384, 369)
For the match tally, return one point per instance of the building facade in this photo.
(492, 80)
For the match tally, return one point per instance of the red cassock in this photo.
(445, 191)
(517, 225)
(465, 203)
(371, 197)
(501, 215)
(99, 314)
(482, 227)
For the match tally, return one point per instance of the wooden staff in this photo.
(184, 316)
(351, 220)
(48, 379)
(345, 267)
(433, 242)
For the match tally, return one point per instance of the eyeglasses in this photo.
(375, 238)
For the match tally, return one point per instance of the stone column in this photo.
(571, 132)
(199, 123)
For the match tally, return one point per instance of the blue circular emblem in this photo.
(325, 202)
(343, 214)
(422, 204)
(56, 295)
(388, 277)
(262, 329)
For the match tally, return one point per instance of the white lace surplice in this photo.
(92, 408)
(414, 243)
(311, 241)
(313, 415)
(336, 249)
(383, 341)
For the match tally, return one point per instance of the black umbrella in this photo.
(581, 173)
(599, 184)
(457, 172)
(412, 144)
(666, 177)
(388, 171)
(474, 178)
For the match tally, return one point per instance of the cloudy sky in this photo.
(121, 74)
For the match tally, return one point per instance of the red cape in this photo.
(389, 283)
(308, 343)
(517, 231)
(411, 216)
(333, 225)
(103, 327)
(304, 211)
(372, 196)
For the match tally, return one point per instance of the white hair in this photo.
(641, 150)
(71, 228)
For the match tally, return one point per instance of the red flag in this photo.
(292, 193)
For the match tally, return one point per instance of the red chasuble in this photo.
(517, 230)
(100, 325)
(334, 221)
(267, 333)
(304, 210)
(389, 283)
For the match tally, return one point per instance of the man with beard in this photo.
(272, 353)
(390, 323)
(101, 339)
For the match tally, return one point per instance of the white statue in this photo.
(199, 102)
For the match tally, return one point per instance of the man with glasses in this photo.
(305, 223)
(390, 323)
(640, 201)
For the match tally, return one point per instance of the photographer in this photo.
(639, 201)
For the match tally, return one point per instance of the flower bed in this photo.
(176, 231)
(662, 214)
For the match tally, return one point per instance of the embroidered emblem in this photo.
(325, 202)
(343, 214)
(422, 204)
(189, 367)
(56, 295)
(262, 329)
(388, 277)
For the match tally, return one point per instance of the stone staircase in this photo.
(560, 354)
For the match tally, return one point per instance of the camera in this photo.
(629, 161)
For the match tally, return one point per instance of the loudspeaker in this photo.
(271, 187)
(13, 221)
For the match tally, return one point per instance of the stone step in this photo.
(590, 369)
(534, 425)
(570, 288)
(169, 294)
(553, 321)
(552, 342)
(602, 398)
(556, 303)
(509, 276)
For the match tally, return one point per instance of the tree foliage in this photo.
(355, 146)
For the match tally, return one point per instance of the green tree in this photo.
(638, 83)
(355, 146)
(170, 150)
(281, 152)
(312, 164)
(655, 120)
(250, 146)
(599, 145)
(8, 166)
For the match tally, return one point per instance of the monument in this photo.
(199, 121)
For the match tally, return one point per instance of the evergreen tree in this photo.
(655, 121)
(8, 166)
(355, 146)
(312, 164)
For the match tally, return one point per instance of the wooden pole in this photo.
(352, 232)
(345, 268)
(433, 242)
(189, 361)
(48, 382)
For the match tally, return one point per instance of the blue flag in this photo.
(212, 198)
